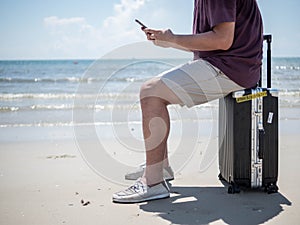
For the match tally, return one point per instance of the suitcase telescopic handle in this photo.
(268, 39)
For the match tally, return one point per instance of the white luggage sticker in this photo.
(270, 117)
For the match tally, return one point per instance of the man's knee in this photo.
(156, 89)
(150, 88)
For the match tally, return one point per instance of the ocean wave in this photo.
(285, 67)
(63, 96)
(104, 96)
(87, 80)
(9, 108)
(61, 107)
(69, 124)
(40, 80)
(36, 96)
(114, 107)
(289, 93)
(102, 101)
(96, 107)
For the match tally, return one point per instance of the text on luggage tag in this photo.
(249, 97)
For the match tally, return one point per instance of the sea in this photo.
(46, 93)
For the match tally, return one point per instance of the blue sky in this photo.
(59, 29)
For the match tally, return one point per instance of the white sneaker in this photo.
(140, 192)
(167, 173)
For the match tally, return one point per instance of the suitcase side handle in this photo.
(261, 144)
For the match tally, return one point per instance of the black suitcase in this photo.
(248, 136)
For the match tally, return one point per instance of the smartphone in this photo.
(140, 23)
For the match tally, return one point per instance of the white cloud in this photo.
(55, 21)
(123, 12)
(76, 38)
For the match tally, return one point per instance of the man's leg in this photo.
(195, 83)
(155, 96)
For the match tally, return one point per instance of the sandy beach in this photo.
(45, 180)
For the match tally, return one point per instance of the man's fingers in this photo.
(148, 30)
(152, 34)
(149, 36)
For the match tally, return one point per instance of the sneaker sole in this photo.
(152, 198)
(131, 178)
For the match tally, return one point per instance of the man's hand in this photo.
(159, 35)
(162, 38)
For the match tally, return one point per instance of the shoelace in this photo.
(137, 187)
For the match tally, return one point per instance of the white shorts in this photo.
(198, 82)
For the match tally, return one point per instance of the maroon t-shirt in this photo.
(242, 62)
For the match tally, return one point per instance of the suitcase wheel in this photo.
(271, 188)
(233, 188)
(221, 178)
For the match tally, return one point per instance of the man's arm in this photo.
(165, 44)
(220, 38)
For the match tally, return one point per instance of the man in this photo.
(227, 45)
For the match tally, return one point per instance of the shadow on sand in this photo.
(204, 205)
